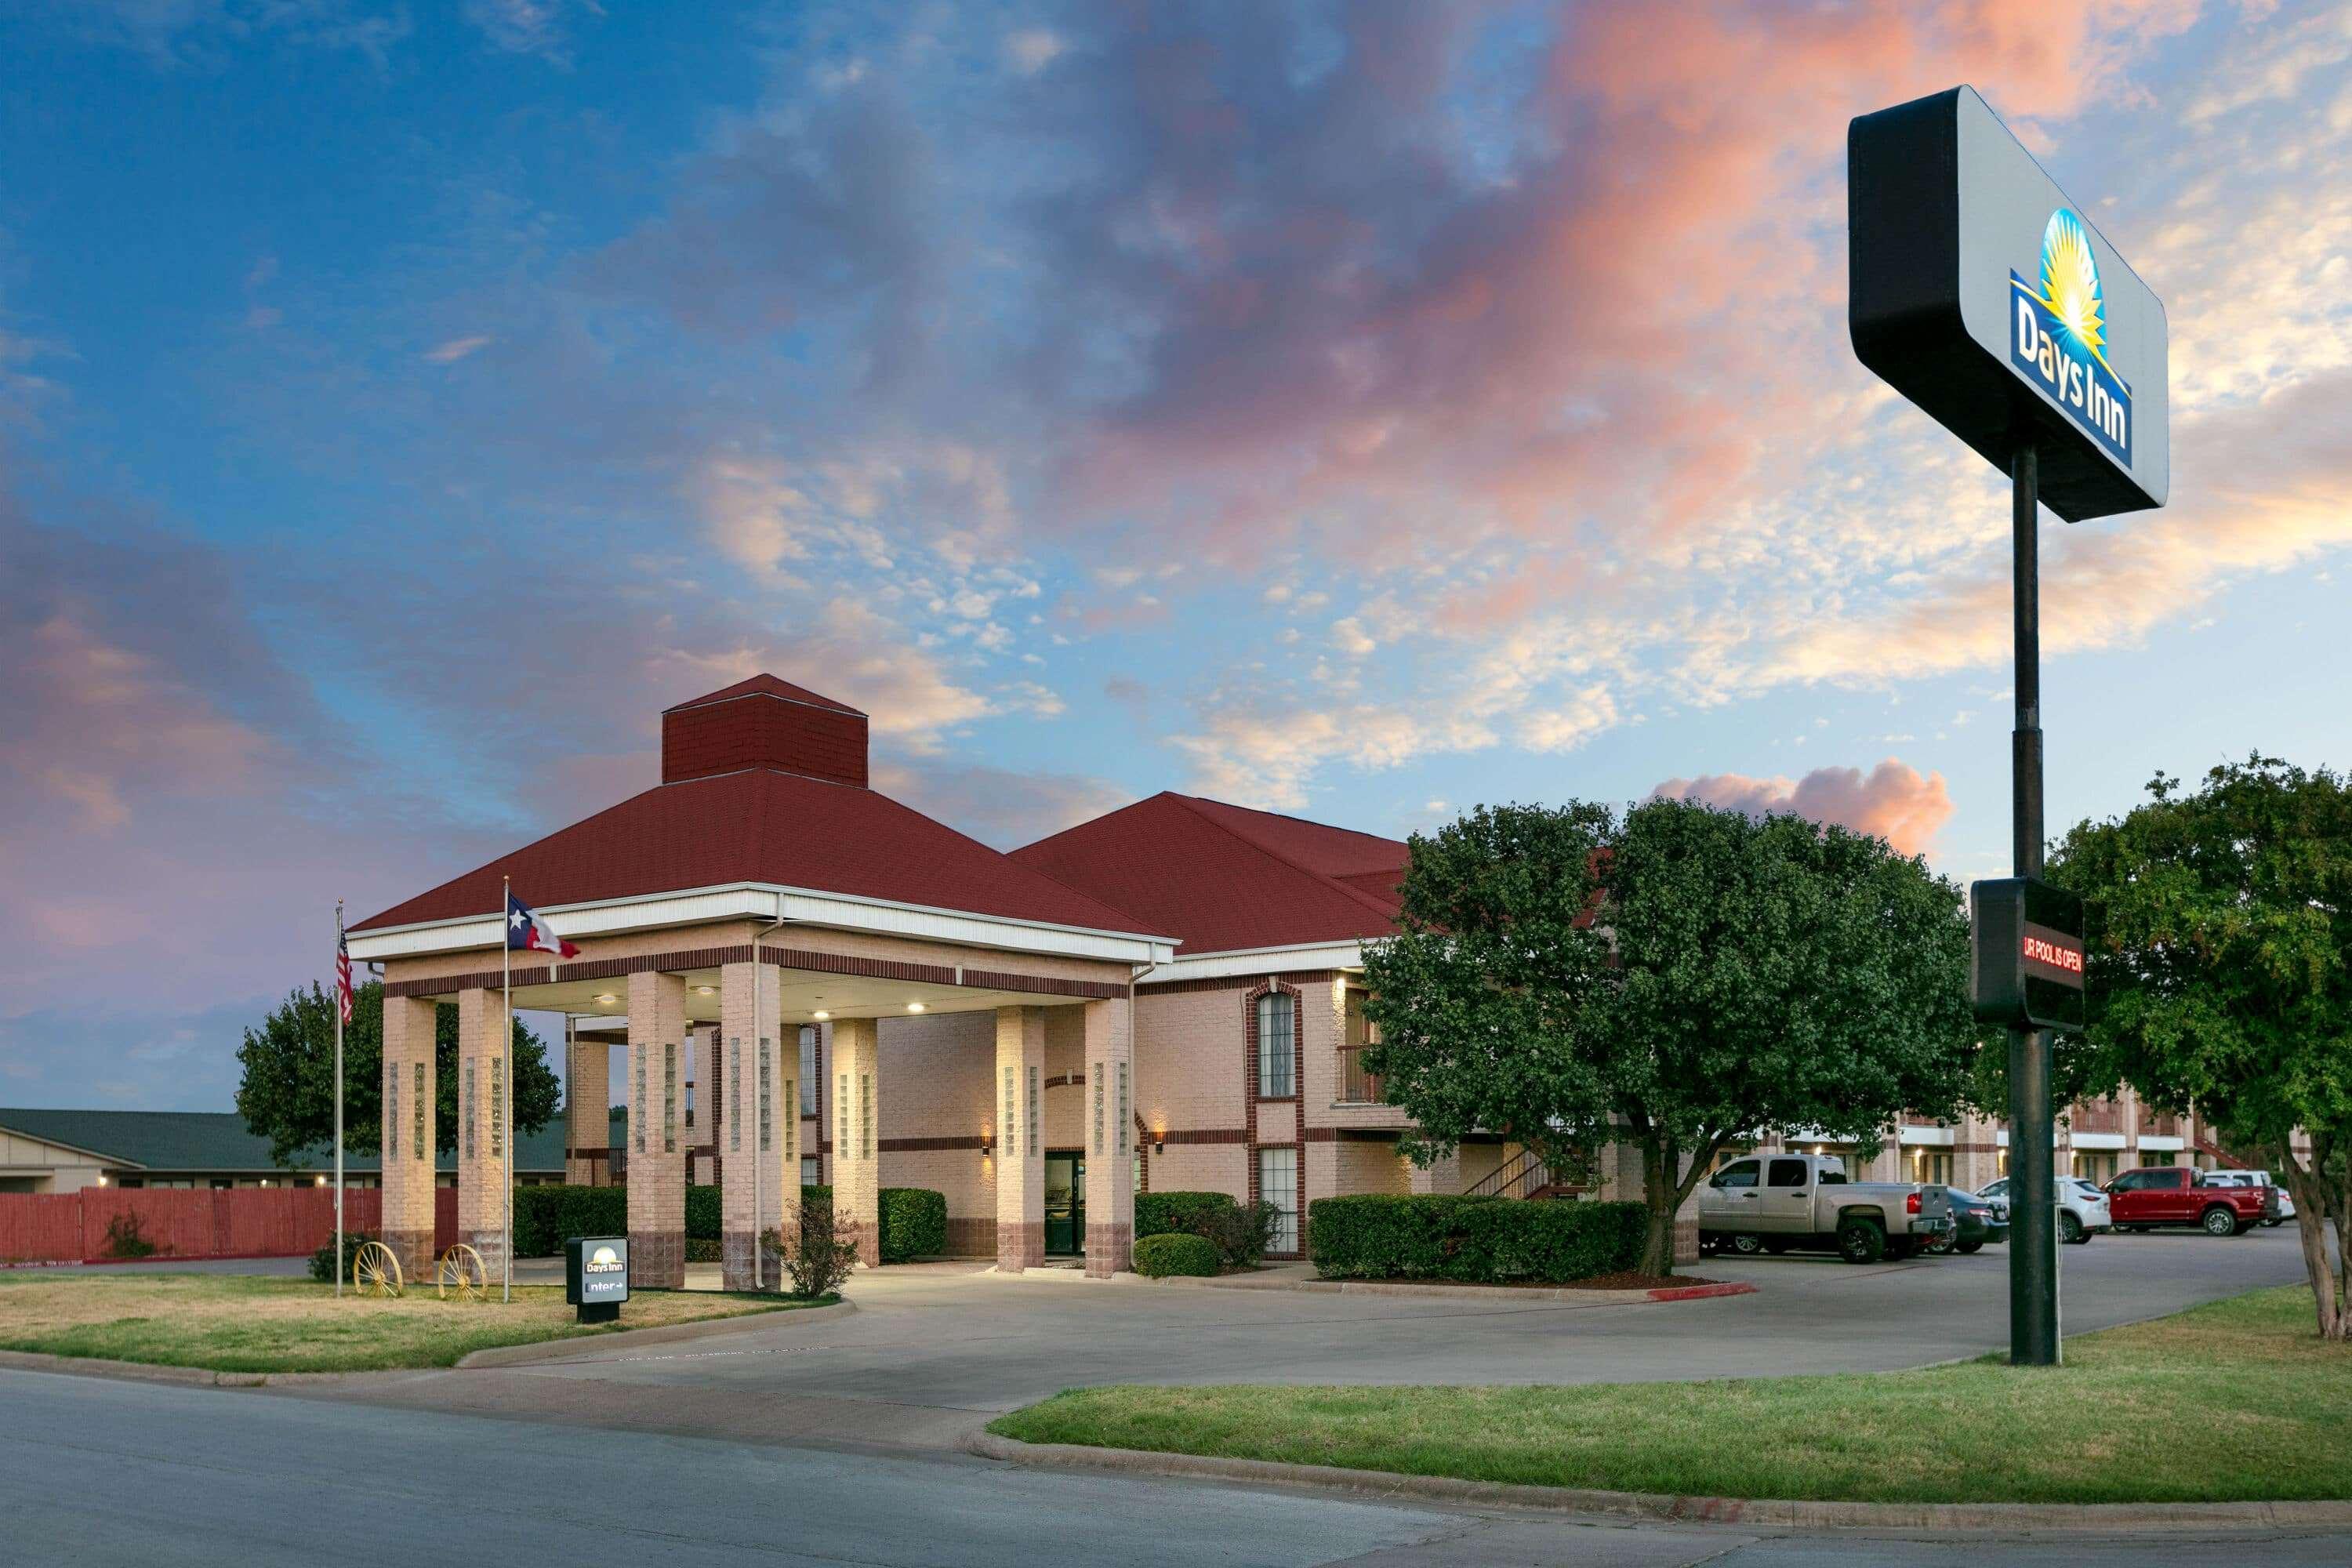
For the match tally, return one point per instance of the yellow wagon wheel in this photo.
(461, 1273)
(375, 1270)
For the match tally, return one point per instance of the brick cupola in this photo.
(765, 722)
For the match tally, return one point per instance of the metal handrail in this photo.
(1516, 1178)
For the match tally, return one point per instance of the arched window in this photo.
(1278, 1048)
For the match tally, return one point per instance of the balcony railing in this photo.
(2096, 1116)
(1357, 1087)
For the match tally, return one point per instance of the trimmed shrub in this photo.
(1478, 1240)
(323, 1262)
(544, 1218)
(1177, 1252)
(914, 1223)
(1158, 1214)
(1241, 1233)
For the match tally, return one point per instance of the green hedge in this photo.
(914, 1224)
(545, 1217)
(1161, 1214)
(914, 1219)
(1482, 1241)
(1177, 1252)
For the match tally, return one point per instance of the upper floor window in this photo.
(1277, 1047)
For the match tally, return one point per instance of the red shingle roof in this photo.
(766, 686)
(1223, 877)
(765, 826)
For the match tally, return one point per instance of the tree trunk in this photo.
(1660, 1192)
(2315, 1207)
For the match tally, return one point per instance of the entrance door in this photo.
(1066, 1203)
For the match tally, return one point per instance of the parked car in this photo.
(1976, 1220)
(2083, 1209)
(2177, 1194)
(1781, 1203)
(2256, 1179)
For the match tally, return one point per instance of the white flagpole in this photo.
(506, 1077)
(338, 1096)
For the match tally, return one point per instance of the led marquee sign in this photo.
(1980, 292)
(2027, 941)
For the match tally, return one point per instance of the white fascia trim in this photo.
(1257, 961)
(1927, 1137)
(767, 900)
(2099, 1140)
(2163, 1142)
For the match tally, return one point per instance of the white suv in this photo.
(2251, 1179)
(2083, 1209)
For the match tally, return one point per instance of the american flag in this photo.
(342, 975)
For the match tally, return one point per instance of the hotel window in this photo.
(1357, 1086)
(808, 1070)
(812, 1171)
(1278, 1184)
(1278, 1048)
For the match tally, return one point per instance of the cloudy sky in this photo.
(1359, 410)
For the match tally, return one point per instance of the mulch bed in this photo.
(1625, 1280)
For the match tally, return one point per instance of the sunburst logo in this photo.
(2060, 334)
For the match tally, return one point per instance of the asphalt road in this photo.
(836, 1441)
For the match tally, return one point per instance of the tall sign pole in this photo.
(2033, 1239)
(1979, 291)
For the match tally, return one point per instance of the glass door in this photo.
(1066, 1203)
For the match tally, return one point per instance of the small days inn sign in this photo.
(596, 1275)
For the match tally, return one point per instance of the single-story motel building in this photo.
(1169, 996)
(65, 1150)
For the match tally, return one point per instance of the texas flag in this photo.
(526, 932)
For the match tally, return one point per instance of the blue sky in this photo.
(1363, 411)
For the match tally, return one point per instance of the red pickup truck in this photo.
(2172, 1194)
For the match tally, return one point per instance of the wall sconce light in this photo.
(1160, 1143)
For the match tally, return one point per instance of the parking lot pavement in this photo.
(936, 1351)
(99, 1473)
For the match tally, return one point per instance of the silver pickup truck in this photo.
(1776, 1202)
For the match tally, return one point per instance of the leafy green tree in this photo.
(288, 1094)
(1678, 977)
(2220, 923)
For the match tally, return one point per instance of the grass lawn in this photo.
(232, 1322)
(2237, 1399)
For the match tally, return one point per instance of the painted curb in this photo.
(593, 1347)
(1568, 1294)
(1752, 1512)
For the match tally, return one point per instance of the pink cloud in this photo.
(1893, 801)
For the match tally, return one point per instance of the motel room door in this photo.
(1065, 1202)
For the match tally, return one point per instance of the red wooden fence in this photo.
(240, 1222)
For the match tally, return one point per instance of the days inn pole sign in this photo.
(1979, 291)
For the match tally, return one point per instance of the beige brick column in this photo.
(1444, 1175)
(656, 1131)
(1110, 1138)
(485, 1140)
(587, 1111)
(1019, 1087)
(408, 1131)
(758, 1124)
(856, 1163)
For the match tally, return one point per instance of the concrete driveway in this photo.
(937, 1349)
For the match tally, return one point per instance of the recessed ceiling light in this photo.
(820, 1016)
(608, 998)
(914, 1007)
(704, 990)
